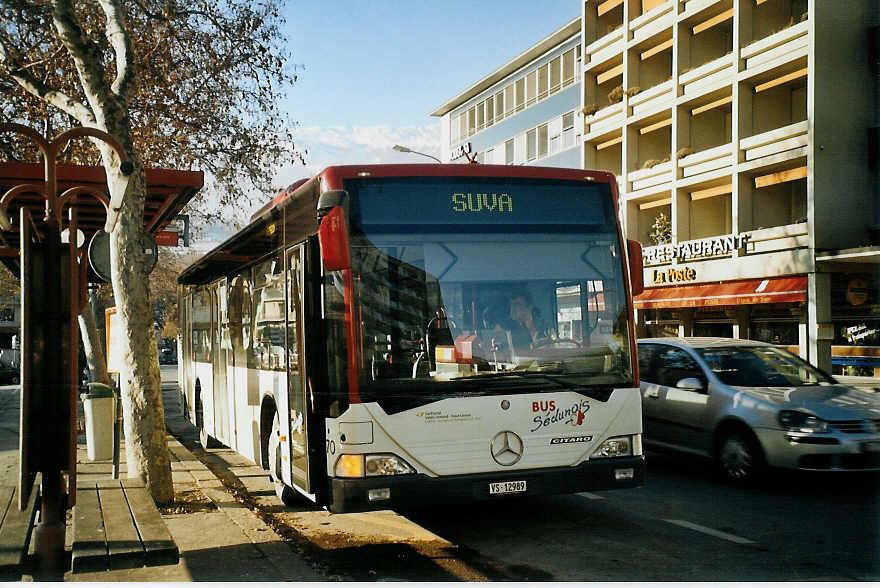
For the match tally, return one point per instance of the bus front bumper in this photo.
(395, 492)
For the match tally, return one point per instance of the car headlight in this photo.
(614, 447)
(382, 464)
(801, 422)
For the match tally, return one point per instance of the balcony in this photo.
(717, 158)
(610, 117)
(653, 99)
(709, 76)
(776, 49)
(692, 7)
(607, 49)
(779, 140)
(653, 21)
(656, 175)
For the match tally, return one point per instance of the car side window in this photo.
(646, 363)
(674, 364)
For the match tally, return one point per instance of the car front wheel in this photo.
(740, 459)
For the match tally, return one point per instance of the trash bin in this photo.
(99, 405)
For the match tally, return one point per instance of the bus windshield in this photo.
(494, 287)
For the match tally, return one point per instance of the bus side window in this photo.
(201, 326)
(266, 351)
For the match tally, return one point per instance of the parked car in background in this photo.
(8, 373)
(750, 405)
(167, 356)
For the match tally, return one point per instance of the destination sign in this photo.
(479, 201)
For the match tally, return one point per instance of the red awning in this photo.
(789, 289)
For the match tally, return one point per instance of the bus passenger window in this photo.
(267, 345)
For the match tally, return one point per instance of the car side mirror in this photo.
(690, 385)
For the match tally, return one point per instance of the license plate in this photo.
(507, 487)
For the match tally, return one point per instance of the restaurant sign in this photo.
(699, 248)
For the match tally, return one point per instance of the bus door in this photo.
(297, 389)
(221, 351)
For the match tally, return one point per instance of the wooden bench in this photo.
(16, 529)
(116, 525)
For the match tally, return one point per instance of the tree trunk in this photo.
(92, 345)
(146, 450)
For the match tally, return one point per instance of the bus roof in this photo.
(231, 254)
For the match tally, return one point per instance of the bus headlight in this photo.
(382, 464)
(614, 447)
(387, 465)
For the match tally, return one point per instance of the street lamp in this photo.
(403, 149)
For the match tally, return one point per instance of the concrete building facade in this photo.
(745, 136)
(740, 131)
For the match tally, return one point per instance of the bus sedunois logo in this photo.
(468, 202)
(506, 448)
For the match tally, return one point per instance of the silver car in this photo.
(749, 405)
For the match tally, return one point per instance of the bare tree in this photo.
(177, 84)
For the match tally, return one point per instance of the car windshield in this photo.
(761, 366)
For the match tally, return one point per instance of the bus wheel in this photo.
(287, 494)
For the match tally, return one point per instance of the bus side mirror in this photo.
(333, 237)
(636, 275)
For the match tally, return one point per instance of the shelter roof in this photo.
(168, 191)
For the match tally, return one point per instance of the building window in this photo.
(508, 100)
(531, 145)
(531, 87)
(555, 70)
(481, 122)
(490, 111)
(462, 126)
(508, 152)
(567, 67)
(520, 94)
(472, 120)
(542, 141)
(499, 105)
(568, 130)
(542, 82)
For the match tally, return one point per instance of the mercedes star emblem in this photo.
(506, 448)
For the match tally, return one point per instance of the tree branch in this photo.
(122, 47)
(86, 57)
(34, 86)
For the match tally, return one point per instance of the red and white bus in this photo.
(389, 335)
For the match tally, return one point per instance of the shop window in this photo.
(776, 332)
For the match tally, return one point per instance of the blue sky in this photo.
(373, 70)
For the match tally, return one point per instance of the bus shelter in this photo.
(54, 279)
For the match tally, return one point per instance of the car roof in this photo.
(704, 342)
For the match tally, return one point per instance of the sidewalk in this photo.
(219, 538)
